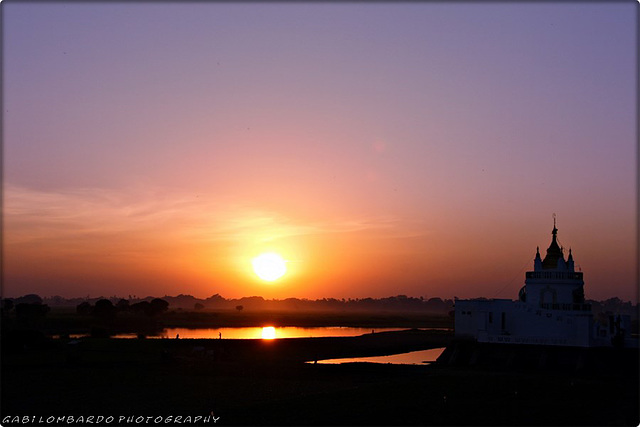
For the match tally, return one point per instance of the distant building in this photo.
(550, 310)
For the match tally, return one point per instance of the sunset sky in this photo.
(379, 148)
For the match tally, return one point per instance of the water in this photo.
(411, 358)
(270, 332)
(267, 332)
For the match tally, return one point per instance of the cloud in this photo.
(152, 214)
(35, 215)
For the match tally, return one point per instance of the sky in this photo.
(379, 148)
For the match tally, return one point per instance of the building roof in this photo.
(554, 252)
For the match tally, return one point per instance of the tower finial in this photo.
(555, 230)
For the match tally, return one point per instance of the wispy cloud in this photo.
(33, 216)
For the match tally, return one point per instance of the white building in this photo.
(550, 310)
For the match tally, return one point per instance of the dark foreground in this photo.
(256, 382)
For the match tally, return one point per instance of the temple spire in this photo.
(537, 262)
(554, 252)
(570, 262)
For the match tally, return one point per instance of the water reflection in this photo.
(258, 332)
(273, 332)
(411, 358)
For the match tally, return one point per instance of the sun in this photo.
(269, 266)
(268, 333)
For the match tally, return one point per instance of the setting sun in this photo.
(269, 266)
(268, 333)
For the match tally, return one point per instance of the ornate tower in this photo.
(553, 284)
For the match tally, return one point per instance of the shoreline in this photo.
(59, 321)
(266, 382)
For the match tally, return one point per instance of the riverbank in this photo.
(375, 319)
(105, 350)
(264, 382)
(60, 321)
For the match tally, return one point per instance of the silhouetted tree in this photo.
(29, 299)
(239, 307)
(142, 307)
(84, 309)
(123, 305)
(157, 306)
(198, 306)
(104, 308)
(7, 304)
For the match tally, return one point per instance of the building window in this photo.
(490, 317)
(504, 320)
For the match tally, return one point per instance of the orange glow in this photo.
(268, 333)
(208, 248)
(269, 266)
(421, 180)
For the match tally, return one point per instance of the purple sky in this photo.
(382, 149)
